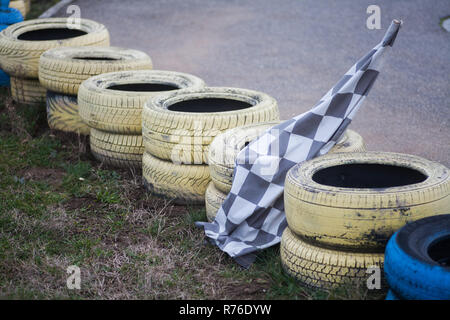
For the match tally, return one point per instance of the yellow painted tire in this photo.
(184, 136)
(27, 6)
(19, 54)
(325, 268)
(121, 110)
(27, 91)
(183, 184)
(63, 69)
(226, 146)
(350, 201)
(20, 5)
(213, 201)
(118, 150)
(62, 114)
(351, 141)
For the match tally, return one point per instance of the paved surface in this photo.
(295, 50)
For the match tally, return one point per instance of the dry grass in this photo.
(19, 127)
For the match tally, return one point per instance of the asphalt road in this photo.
(295, 50)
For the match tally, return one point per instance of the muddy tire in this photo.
(180, 126)
(356, 201)
(23, 43)
(117, 150)
(62, 114)
(182, 184)
(114, 101)
(417, 260)
(226, 146)
(63, 69)
(27, 91)
(213, 201)
(324, 268)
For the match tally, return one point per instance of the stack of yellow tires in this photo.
(341, 209)
(22, 44)
(111, 105)
(178, 128)
(62, 70)
(226, 146)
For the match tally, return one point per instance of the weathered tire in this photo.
(417, 260)
(180, 126)
(27, 91)
(62, 114)
(356, 201)
(19, 5)
(119, 110)
(213, 201)
(10, 16)
(226, 146)
(325, 268)
(118, 150)
(22, 44)
(63, 69)
(184, 184)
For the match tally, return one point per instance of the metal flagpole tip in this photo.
(391, 33)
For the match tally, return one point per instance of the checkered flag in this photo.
(252, 216)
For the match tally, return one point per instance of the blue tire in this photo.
(417, 260)
(4, 79)
(4, 4)
(10, 16)
(391, 296)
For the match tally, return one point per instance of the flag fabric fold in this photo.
(252, 217)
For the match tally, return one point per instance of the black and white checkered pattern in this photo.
(252, 216)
